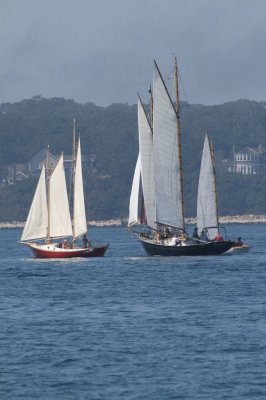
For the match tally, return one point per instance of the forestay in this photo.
(37, 221)
(207, 214)
(147, 166)
(166, 161)
(134, 197)
(60, 221)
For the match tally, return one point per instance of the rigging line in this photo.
(183, 103)
(183, 87)
(169, 79)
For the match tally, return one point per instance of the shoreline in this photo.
(227, 219)
(236, 219)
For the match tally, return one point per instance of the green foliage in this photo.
(111, 134)
(240, 194)
(15, 200)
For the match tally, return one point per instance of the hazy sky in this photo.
(102, 51)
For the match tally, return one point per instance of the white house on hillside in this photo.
(250, 160)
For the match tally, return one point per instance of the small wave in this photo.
(66, 361)
(32, 274)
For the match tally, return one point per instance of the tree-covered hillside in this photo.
(111, 134)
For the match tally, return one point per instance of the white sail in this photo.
(134, 197)
(79, 214)
(206, 202)
(147, 166)
(60, 221)
(37, 221)
(169, 209)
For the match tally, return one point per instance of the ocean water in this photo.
(129, 326)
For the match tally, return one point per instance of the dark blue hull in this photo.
(191, 249)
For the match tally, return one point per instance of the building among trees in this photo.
(248, 161)
(18, 172)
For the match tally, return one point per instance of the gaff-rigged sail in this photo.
(207, 213)
(37, 221)
(60, 221)
(79, 214)
(134, 197)
(147, 165)
(167, 168)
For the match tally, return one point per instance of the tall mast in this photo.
(151, 108)
(48, 194)
(74, 142)
(214, 178)
(179, 139)
(234, 159)
(73, 172)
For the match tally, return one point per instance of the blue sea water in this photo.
(129, 326)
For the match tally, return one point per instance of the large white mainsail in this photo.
(79, 214)
(207, 214)
(147, 166)
(134, 197)
(37, 221)
(60, 221)
(168, 190)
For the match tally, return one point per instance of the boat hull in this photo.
(239, 249)
(192, 249)
(52, 251)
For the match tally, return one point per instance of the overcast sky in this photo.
(102, 51)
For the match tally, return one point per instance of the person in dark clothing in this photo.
(239, 242)
(85, 241)
(204, 234)
(195, 233)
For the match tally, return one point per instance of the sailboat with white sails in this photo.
(49, 216)
(207, 204)
(159, 173)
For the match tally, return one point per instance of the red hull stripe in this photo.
(94, 252)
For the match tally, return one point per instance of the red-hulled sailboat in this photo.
(49, 216)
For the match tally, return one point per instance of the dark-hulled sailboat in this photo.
(159, 171)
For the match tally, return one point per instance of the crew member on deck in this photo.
(218, 237)
(85, 241)
(239, 242)
(195, 233)
(204, 234)
(173, 241)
